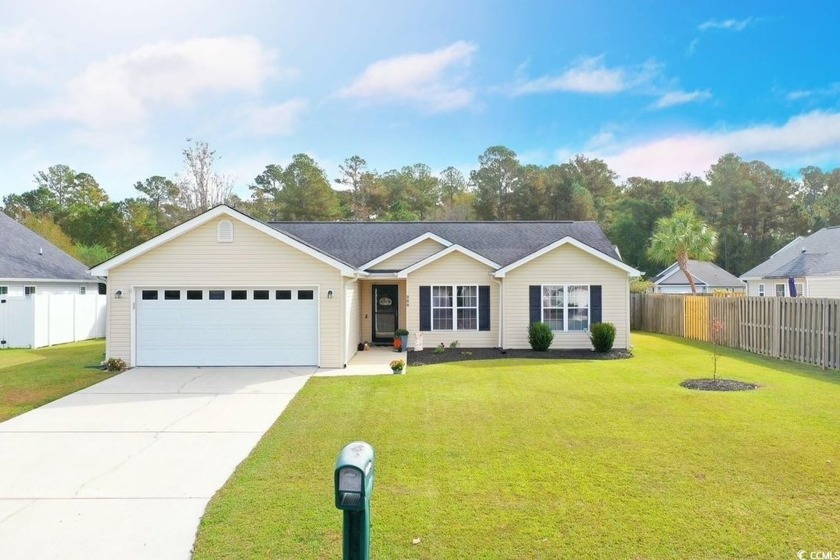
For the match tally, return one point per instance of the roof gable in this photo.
(574, 243)
(449, 250)
(25, 255)
(404, 247)
(103, 268)
(815, 255)
(704, 273)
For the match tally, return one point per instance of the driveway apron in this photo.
(125, 468)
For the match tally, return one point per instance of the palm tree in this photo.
(682, 236)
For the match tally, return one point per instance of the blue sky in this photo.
(656, 89)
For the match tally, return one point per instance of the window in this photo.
(172, 294)
(28, 290)
(216, 294)
(799, 288)
(455, 308)
(761, 290)
(149, 294)
(260, 294)
(566, 308)
(195, 294)
(4, 290)
(306, 294)
(780, 290)
(239, 294)
(82, 290)
(283, 294)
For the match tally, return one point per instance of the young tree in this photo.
(681, 237)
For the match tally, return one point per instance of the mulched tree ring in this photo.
(718, 385)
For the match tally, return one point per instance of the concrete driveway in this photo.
(125, 468)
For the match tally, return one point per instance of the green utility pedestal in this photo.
(354, 472)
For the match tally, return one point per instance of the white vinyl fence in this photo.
(48, 319)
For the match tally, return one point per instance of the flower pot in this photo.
(398, 371)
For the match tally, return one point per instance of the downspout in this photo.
(501, 309)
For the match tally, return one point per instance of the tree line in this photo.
(754, 208)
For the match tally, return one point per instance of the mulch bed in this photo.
(428, 356)
(718, 385)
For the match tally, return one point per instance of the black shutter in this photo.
(425, 308)
(595, 304)
(484, 308)
(535, 293)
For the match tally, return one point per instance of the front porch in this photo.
(375, 361)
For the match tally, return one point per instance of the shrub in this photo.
(540, 336)
(602, 336)
(114, 365)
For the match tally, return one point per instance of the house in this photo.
(29, 264)
(708, 278)
(807, 266)
(226, 289)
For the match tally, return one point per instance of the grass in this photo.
(31, 378)
(561, 459)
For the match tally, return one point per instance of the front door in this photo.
(385, 305)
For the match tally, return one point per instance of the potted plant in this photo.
(401, 339)
(397, 366)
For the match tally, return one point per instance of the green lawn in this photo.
(31, 378)
(563, 459)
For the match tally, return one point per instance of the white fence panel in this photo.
(17, 322)
(48, 319)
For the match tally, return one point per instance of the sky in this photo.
(655, 89)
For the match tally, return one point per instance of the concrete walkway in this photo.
(375, 361)
(125, 468)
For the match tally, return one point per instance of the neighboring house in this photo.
(29, 264)
(225, 289)
(810, 266)
(708, 278)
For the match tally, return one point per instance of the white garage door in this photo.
(227, 327)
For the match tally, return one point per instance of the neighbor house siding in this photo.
(455, 269)
(41, 287)
(254, 259)
(821, 286)
(352, 318)
(566, 265)
(366, 299)
(410, 256)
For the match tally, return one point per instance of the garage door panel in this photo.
(227, 332)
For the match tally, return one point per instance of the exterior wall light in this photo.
(329, 294)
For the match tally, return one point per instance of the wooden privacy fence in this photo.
(800, 329)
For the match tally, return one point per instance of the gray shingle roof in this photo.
(817, 254)
(20, 256)
(357, 243)
(704, 272)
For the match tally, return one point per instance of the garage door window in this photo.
(306, 294)
(260, 294)
(149, 294)
(195, 294)
(239, 294)
(216, 294)
(172, 294)
(283, 294)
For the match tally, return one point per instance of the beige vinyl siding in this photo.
(352, 318)
(366, 299)
(821, 286)
(752, 287)
(254, 259)
(455, 269)
(566, 265)
(410, 256)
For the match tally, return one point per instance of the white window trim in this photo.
(784, 289)
(454, 306)
(761, 290)
(566, 305)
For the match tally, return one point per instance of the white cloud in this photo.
(829, 91)
(274, 120)
(692, 47)
(424, 79)
(679, 97)
(590, 75)
(120, 91)
(726, 24)
(803, 136)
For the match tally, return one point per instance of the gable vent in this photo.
(224, 232)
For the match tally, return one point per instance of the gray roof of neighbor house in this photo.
(815, 255)
(357, 243)
(704, 272)
(26, 255)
